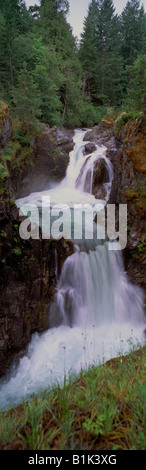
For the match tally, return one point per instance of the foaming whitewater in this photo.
(96, 313)
(94, 289)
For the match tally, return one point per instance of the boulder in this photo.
(100, 134)
(100, 176)
(90, 136)
(51, 150)
(89, 148)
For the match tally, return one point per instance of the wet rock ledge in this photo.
(49, 160)
(29, 273)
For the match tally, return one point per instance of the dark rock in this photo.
(100, 134)
(100, 175)
(89, 148)
(90, 136)
(51, 150)
(101, 192)
(27, 284)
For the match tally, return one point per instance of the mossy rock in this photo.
(141, 206)
(131, 194)
(3, 113)
(137, 153)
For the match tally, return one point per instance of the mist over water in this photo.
(96, 313)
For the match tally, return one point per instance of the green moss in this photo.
(3, 234)
(4, 173)
(142, 190)
(142, 247)
(131, 193)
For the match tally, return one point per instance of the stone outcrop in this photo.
(50, 155)
(28, 273)
(89, 148)
(100, 176)
(29, 270)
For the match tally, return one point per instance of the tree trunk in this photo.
(11, 71)
(27, 124)
(103, 76)
(83, 87)
(65, 106)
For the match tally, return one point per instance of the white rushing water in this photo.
(99, 313)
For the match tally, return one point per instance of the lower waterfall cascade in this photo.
(96, 313)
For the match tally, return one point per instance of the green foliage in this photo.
(126, 117)
(27, 98)
(91, 114)
(100, 54)
(45, 76)
(14, 20)
(108, 45)
(94, 427)
(133, 31)
(33, 430)
(142, 247)
(138, 83)
(16, 251)
(4, 173)
(142, 190)
(48, 78)
(3, 234)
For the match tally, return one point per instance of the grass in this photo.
(103, 408)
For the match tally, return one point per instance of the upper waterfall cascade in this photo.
(96, 312)
(69, 191)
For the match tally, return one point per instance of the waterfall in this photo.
(96, 312)
(94, 289)
(81, 167)
(73, 189)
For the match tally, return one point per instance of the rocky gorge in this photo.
(28, 268)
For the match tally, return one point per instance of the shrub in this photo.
(126, 117)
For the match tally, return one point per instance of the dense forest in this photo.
(47, 76)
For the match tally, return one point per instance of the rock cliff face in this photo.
(50, 155)
(29, 273)
(28, 269)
